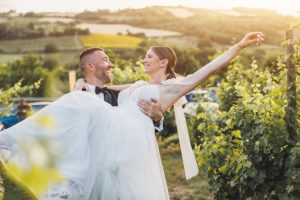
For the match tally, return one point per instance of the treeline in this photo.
(54, 73)
(214, 25)
(11, 30)
(31, 69)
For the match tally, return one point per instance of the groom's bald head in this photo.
(95, 66)
(86, 56)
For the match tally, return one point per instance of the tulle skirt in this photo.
(109, 152)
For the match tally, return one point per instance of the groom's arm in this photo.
(152, 108)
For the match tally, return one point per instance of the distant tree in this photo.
(222, 38)
(50, 63)
(30, 14)
(140, 34)
(186, 63)
(20, 31)
(3, 30)
(31, 26)
(51, 48)
(204, 42)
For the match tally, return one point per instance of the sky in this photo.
(281, 6)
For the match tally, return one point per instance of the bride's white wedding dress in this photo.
(108, 153)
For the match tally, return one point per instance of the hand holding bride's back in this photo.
(81, 84)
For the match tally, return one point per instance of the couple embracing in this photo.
(110, 152)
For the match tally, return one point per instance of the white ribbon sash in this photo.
(188, 157)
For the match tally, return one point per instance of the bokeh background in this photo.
(243, 121)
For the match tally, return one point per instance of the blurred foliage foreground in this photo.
(38, 154)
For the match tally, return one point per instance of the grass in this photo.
(64, 58)
(106, 40)
(38, 45)
(179, 188)
(21, 21)
(3, 20)
(6, 58)
(181, 42)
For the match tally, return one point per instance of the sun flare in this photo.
(284, 7)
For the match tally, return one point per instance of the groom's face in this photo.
(103, 67)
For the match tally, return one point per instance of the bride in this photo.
(113, 149)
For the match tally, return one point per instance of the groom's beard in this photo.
(104, 77)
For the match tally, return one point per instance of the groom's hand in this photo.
(151, 108)
(81, 85)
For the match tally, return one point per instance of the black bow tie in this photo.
(99, 90)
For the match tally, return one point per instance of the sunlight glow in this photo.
(284, 7)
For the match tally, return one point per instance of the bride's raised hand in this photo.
(251, 38)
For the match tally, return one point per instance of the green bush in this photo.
(32, 68)
(15, 91)
(29, 69)
(245, 147)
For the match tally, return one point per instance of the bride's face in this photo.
(151, 62)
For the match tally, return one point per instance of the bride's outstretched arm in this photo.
(174, 92)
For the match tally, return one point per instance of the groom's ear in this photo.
(90, 66)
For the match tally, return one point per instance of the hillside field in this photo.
(114, 41)
(37, 45)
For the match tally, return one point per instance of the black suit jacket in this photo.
(113, 96)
